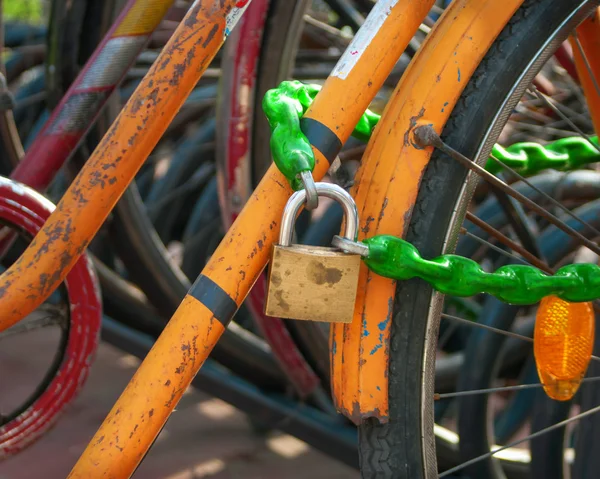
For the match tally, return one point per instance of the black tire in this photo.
(405, 446)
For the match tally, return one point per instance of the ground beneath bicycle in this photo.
(205, 437)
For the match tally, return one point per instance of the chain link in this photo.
(529, 158)
(451, 274)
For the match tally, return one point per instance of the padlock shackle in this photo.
(328, 190)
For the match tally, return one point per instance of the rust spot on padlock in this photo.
(280, 301)
(319, 274)
(276, 279)
(313, 282)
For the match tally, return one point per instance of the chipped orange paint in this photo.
(588, 68)
(114, 163)
(144, 407)
(339, 105)
(387, 184)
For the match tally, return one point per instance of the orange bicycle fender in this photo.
(386, 189)
(586, 55)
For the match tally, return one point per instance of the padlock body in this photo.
(312, 283)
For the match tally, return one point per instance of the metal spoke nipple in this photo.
(427, 136)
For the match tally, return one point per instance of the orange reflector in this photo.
(563, 340)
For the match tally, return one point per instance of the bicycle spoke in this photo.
(486, 327)
(550, 103)
(493, 246)
(426, 136)
(529, 258)
(585, 60)
(524, 108)
(517, 387)
(575, 88)
(546, 196)
(568, 111)
(536, 115)
(546, 129)
(558, 425)
(510, 334)
(34, 321)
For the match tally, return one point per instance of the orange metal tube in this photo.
(114, 163)
(145, 405)
(387, 184)
(588, 68)
(346, 95)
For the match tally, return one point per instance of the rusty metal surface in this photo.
(236, 93)
(359, 351)
(114, 163)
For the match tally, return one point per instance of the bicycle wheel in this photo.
(405, 447)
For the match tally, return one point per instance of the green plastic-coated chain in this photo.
(285, 105)
(450, 274)
(529, 158)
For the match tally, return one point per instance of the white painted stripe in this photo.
(234, 15)
(379, 14)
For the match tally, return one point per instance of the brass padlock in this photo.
(313, 282)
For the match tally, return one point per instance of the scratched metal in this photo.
(235, 182)
(144, 407)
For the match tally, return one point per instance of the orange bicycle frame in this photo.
(143, 408)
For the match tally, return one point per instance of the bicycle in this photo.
(376, 371)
